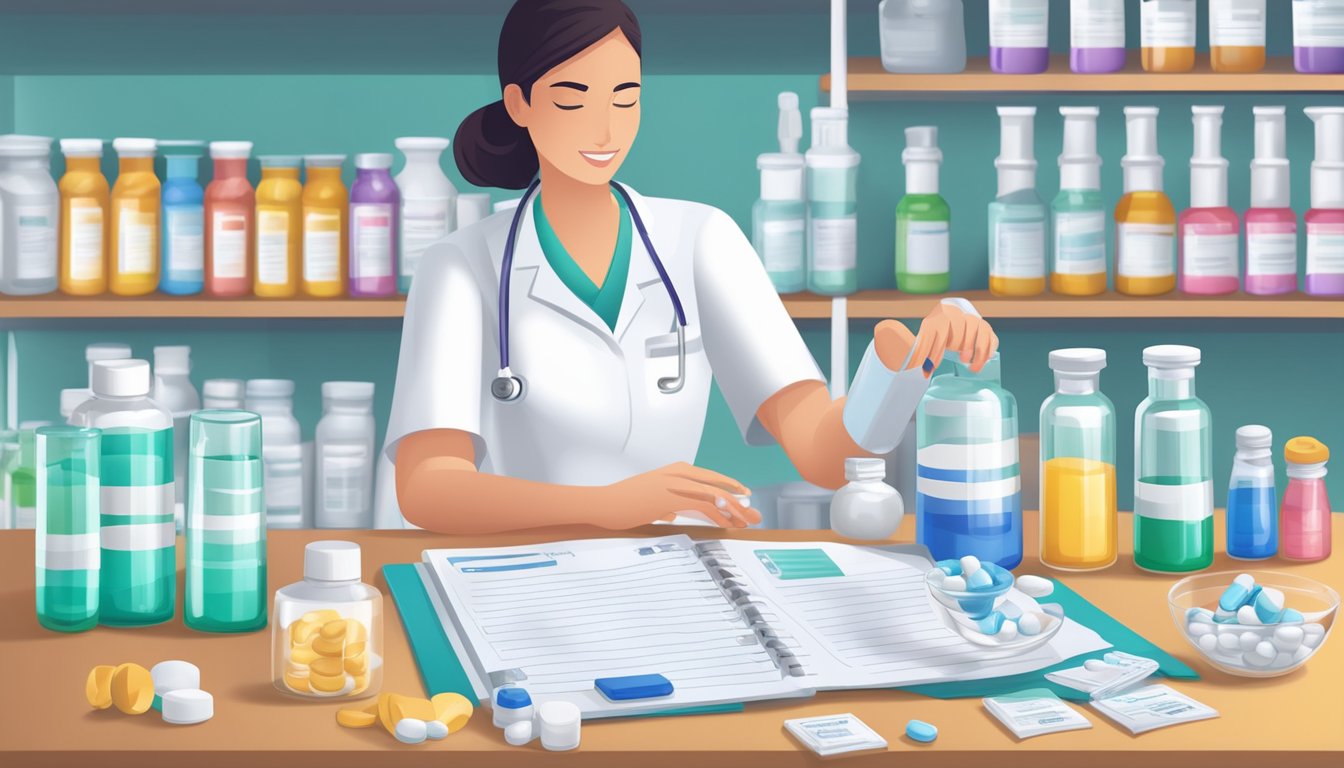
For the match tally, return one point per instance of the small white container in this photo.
(866, 508)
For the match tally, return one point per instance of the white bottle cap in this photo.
(135, 147)
(421, 144)
(560, 725)
(323, 161)
(1079, 360)
(106, 351)
(922, 159)
(347, 390)
(16, 145)
(230, 150)
(281, 453)
(830, 139)
(865, 468)
(72, 399)
(1208, 167)
(279, 161)
(1254, 437)
(223, 389)
(270, 388)
(790, 131)
(373, 160)
(1327, 170)
(1270, 176)
(173, 360)
(1142, 163)
(188, 707)
(174, 675)
(121, 378)
(82, 147)
(781, 176)
(1080, 165)
(1017, 149)
(331, 561)
(1171, 356)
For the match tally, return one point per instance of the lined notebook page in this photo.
(562, 615)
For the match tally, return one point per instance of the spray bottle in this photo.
(832, 205)
(1325, 220)
(1017, 216)
(923, 219)
(1078, 214)
(1145, 217)
(779, 216)
(1210, 231)
(1271, 223)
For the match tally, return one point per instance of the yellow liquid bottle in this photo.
(134, 240)
(84, 219)
(1237, 35)
(279, 226)
(1145, 255)
(1167, 35)
(326, 210)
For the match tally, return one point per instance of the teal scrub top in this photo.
(606, 300)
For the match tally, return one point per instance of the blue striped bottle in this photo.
(968, 499)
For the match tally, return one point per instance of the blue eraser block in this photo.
(634, 687)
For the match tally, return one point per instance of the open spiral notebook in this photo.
(724, 620)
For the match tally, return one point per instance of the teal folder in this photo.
(441, 671)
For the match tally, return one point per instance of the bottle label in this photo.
(835, 244)
(1325, 249)
(1019, 23)
(1318, 24)
(228, 247)
(1190, 503)
(1097, 24)
(783, 247)
(272, 246)
(1167, 23)
(186, 238)
(343, 482)
(1019, 249)
(86, 239)
(284, 489)
(1271, 249)
(371, 240)
(36, 243)
(928, 246)
(1237, 23)
(321, 246)
(1080, 243)
(135, 241)
(424, 222)
(70, 552)
(1210, 255)
(1146, 250)
(137, 490)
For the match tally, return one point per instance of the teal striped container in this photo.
(68, 555)
(139, 540)
(226, 524)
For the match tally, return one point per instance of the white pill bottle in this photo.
(866, 508)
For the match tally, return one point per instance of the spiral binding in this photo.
(726, 575)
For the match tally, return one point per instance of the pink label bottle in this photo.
(1325, 220)
(1210, 232)
(1271, 223)
(1304, 518)
(374, 201)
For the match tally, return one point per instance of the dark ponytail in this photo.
(538, 35)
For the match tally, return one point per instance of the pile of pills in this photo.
(1252, 629)
(327, 655)
(412, 720)
(964, 580)
(558, 723)
(172, 687)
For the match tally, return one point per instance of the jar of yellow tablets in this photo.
(327, 636)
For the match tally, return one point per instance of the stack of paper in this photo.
(835, 734)
(1035, 712)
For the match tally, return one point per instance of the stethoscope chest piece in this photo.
(506, 387)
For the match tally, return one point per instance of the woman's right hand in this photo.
(663, 493)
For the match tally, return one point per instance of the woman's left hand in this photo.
(947, 327)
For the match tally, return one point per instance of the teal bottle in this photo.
(68, 556)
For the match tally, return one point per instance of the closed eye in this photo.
(625, 106)
(567, 107)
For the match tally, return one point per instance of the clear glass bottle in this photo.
(327, 636)
(1252, 504)
(1173, 478)
(428, 202)
(24, 478)
(867, 508)
(779, 220)
(969, 499)
(345, 454)
(922, 36)
(67, 528)
(832, 205)
(183, 235)
(1078, 508)
(226, 524)
(173, 390)
(85, 196)
(1306, 505)
(273, 400)
(1017, 217)
(30, 204)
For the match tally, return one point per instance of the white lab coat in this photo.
(591, 413)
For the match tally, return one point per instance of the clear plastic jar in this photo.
(866, 508)
(922, 36)
(327, 636)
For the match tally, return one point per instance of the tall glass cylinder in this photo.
(68, 554)
(226, 524)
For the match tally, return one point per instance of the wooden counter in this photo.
(1296, 721)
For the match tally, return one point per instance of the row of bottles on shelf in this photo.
(805, 222)
(929, 36)
(968, 498)
(281, 239)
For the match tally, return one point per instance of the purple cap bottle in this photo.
(374, 201)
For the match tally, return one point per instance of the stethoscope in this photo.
(508, 386)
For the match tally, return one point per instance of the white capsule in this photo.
(1246, 615)
(1208, 643)
(1265, 650)
(1030, 624)
(1246, 580)
(436, 729)
(1282, 660)
(1312, 635)
(1248, 641)
(1035, 586)
(411, 731)
(937, 576)
(518, 733)
(979, 581)
(955, 584)
(1199, 628)
(1010, 611)
(1256, 660)
(969, 565)
(1229, 643)
(1053, 609)
(1301, 653)
(1288, 638)
(1008, 632)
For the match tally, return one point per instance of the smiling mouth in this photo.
(599, 158)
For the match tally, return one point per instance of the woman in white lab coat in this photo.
(593, 409)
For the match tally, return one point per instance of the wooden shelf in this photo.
(893, 304)
(867, 77)
(57, 307)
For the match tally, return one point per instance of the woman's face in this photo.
(583, 115)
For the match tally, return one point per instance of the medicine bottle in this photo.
(1252, 505)
(832, 205)
(1019, 36)
(279, 227)
(374, 206)
(1017, 216)
(1318, 37)
(85, 195)
(1210, 232)
(866, 508)
(1237, 35)
(273, 400)
(428, 203)
(1078, 213)
(1305, 516)
(345, 456)
(67, 528)
(230, 205)
(327, 633)
(24, 477)
(922, 36)
(326, 208)
(134, 234)
(1325, 220)
(183, 219)
(29, 208)
(1271, 222)
(1145, 254)
(1097, 36)
(1167, 35)
(923, 218)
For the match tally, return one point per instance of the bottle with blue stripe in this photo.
(1252, 504)
(138, 582)
(969, 499)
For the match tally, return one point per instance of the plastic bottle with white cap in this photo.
(1271, 222)
(1017, 217)
(922, 36)
(832, 205)
(1318, 37)
(374, 209)
(1325, 220)
(273, 400)
(561, 724)
(230, 212)
(1237, 31)
(183, 233)
(779, 217)
(923, 218)
(1252, 504)
(1096, 36)
(134, 233)
(173, 390)
(1210, 242)
(92, 354)
(1019, 36)
(326, 209)
(344, 455)
(428, 202)
(29, 211)
(1168, 32)
(1145, 254)
(139, 556)
(222, 394)
(866, 508)
(84, 216)
(1078, 214)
